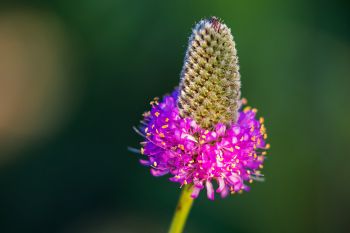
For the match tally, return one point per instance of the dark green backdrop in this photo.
(80, 177)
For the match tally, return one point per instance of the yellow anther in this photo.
(250, 181)
(254, 110)
(165, 126)
(246, 109)
(230, 149)
(142, 150)
(262, 129)
(185, 181)
(166, 119)
(237, 147)
(265, 136)
(233, 165)
(261, 166)
(252, 128)
(156, 114)
(237, 160)
(267, 146)
(206, 132)
(155, 164)
(264, 153)
(163, 143)
(146, 129)
(259, 141)
(261, 120)
(253, 138)
(153, 103)
(161, 135)
(153, 126)
(148, 134)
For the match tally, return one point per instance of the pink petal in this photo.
(198, 184)
(237, 187)
(224, 192)
(220, 129)
(234, 179)
(157, 172)
(246, 188)
(236, 130)
(210, 190)
(221, 183)
(234, 140)
(195, 192)
(145, 162)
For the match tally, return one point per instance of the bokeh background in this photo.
(75, 76)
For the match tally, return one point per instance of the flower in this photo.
(199, 134)
(231, 156)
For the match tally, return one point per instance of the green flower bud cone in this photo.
(210, 84)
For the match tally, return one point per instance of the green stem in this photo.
(182, 210)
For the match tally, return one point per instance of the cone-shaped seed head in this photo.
(210, 79)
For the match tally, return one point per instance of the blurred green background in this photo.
(75, 76)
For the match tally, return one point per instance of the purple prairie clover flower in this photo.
(200, 134)
(227, 155)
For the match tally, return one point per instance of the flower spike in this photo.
(199, 134)
(210, 80)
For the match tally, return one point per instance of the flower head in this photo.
(229, 156)
(199, 134)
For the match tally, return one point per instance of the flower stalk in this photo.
(182, 210)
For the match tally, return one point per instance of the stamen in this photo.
(246, 109)
(261, 120)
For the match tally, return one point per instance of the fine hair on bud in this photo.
(210, 84)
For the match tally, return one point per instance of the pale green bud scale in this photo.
(210, 84)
